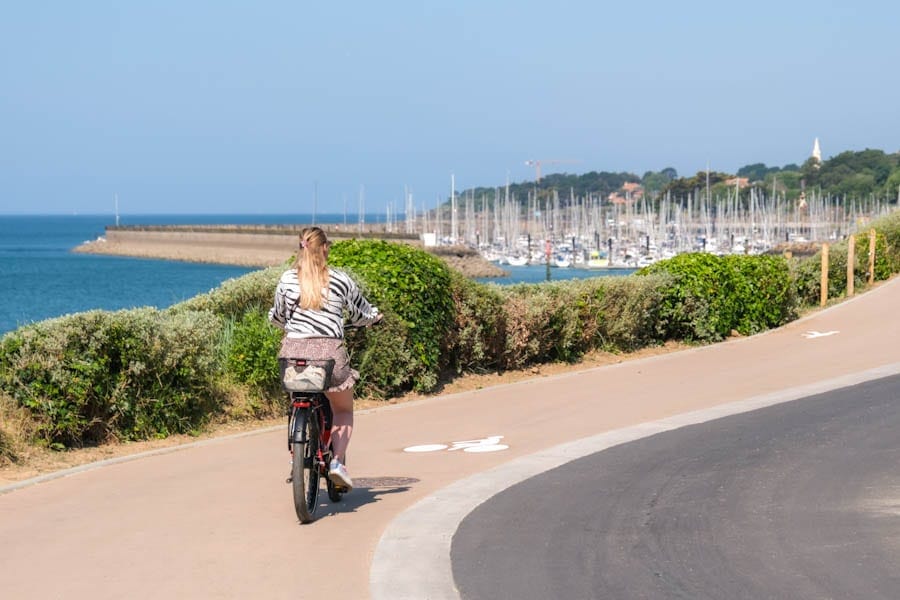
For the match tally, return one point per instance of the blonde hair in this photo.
(312, 268)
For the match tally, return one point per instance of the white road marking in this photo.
(470, 445)
(487, 448)
(426, 448)
(488, 444)
(815, 334)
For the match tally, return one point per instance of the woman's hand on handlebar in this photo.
(377, 320)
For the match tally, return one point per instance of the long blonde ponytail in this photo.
(312, 268)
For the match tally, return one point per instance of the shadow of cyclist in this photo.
(366, 490)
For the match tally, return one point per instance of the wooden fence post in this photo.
(824, 278)
(851, 263)
(872, 238)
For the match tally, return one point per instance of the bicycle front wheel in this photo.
(304, 468)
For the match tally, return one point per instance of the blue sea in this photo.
(41, 278)
(539, 274)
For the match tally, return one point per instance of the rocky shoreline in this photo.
(253, 252)
(467, 261)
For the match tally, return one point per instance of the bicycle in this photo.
(309, 432)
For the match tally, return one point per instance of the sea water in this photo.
(41, 278)
(538, 273)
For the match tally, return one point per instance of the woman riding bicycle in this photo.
(310, 301)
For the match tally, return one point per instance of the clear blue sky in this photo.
(259, 107)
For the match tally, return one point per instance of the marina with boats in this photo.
(589, 222)
(596, 233)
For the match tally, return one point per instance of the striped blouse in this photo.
(343, 294)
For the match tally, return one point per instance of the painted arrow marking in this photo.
(816, 334)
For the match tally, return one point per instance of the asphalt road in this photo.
(797, 500)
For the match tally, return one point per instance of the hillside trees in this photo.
(592, 184)
(857, 173)
(848, 175)
(654, 183)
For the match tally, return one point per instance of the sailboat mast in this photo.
(453, 225)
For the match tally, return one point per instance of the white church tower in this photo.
(817, 152)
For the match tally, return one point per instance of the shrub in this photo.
(16, 430)
(807, 273)
(248, 345)
(888, 226)
(128, 374)
(887, 261)
(476, 339)
(541, 325)
(8, 452)
(561, 321)
(622, 314)
(710, 295)
(387, 362)
(691, 308)
(251, 350)
(765, 296)
(413, 287)
(804, 273)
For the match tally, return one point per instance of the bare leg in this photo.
(342, 426)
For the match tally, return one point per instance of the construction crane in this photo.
(537, 165)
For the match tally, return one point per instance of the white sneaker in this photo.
(337, 473)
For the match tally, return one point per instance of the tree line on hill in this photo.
(848, 175)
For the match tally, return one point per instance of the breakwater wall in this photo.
(243, 245)
(255, 245)
(265, 236)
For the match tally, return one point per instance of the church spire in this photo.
(817, 153)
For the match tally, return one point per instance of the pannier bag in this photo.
(306, 375)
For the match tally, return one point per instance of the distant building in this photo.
(629, 192)
(740, 182)
(817, 152)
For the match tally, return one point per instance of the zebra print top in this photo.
(343, 294)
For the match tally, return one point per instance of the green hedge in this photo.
(622, 314)
(93, 376)
(888, 227)
(8, 450)
(807, 273)
(413, 289)
(476, 340)
(711, 296)
(250, 348)
(561, 321)
(97, 375)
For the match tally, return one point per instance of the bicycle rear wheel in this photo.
(304, 470)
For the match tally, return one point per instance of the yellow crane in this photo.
(537, 165)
